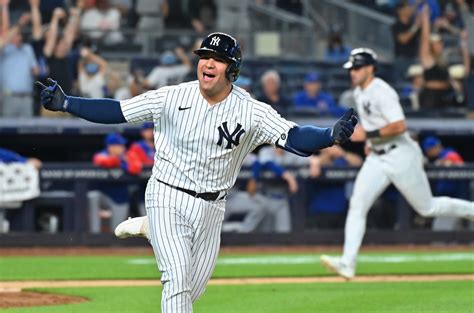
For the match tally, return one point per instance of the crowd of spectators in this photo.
(434, 36)
(64, 39)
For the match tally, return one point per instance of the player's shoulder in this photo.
(380, 89)
(246, 98)
(241, 93)
(190, 84)
(255, 109)
(186, 85)
(171, 89)
(380, 84)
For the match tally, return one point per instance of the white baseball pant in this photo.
(185, 236)
(402, 166)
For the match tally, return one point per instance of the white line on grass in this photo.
(311, 259)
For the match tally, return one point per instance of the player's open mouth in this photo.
(207, 76)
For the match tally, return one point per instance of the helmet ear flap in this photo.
(232, 72)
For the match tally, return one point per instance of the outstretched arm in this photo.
(15, 29)
(51, 37)
(425, 55)
(305, 140)
(72, 26)
(4, 17)
(36, 28)
(105, 111)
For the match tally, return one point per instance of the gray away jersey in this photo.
(202, 147)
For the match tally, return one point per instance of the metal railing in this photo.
(296, 35)
(360, 26)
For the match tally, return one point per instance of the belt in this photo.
(208, 196)
(384, 151)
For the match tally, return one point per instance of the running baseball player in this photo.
(203, 131)
(394, 158)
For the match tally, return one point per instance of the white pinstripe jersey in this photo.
(377, 105)
(202, 147)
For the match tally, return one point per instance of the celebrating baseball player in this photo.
(394, 158)
(203, 131)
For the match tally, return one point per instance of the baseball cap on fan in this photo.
(312, 77)
(361, 57)
(430, 142)
(148, 125)
(115, 139)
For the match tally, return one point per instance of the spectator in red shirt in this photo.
(111, 200)
(145, 148)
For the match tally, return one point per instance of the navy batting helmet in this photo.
(226, 47)
(361, 57)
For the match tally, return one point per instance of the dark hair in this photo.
(335, 41)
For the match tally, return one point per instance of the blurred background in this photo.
(67, 181)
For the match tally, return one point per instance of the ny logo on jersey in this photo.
(215, 41)
(232, 139)
(366, 107)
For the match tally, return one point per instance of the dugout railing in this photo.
(77, 178)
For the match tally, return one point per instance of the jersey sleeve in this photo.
(145, 107)
(272, 127)
(390, 106)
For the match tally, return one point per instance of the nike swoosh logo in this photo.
(181, 108)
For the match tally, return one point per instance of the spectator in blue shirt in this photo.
(8, 156)
(439, 155)
(111, 200)
(313, 100)
(329, 201)
(18, 68)
(445, 156)
(336, 50)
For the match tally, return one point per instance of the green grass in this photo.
(74, 267)
(400, 297)
(278, 265)
(386, 297)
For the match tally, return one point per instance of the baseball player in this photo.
(394, 158)
(203, 131)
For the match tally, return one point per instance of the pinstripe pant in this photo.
(185, 236)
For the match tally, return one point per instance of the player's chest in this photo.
(367, 107)
(214, 127)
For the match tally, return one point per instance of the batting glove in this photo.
(52, 97)
(344, 127)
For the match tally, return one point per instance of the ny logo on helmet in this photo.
(224, 133)
(215, 41)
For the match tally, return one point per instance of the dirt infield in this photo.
(28, 298)
(12, 296)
